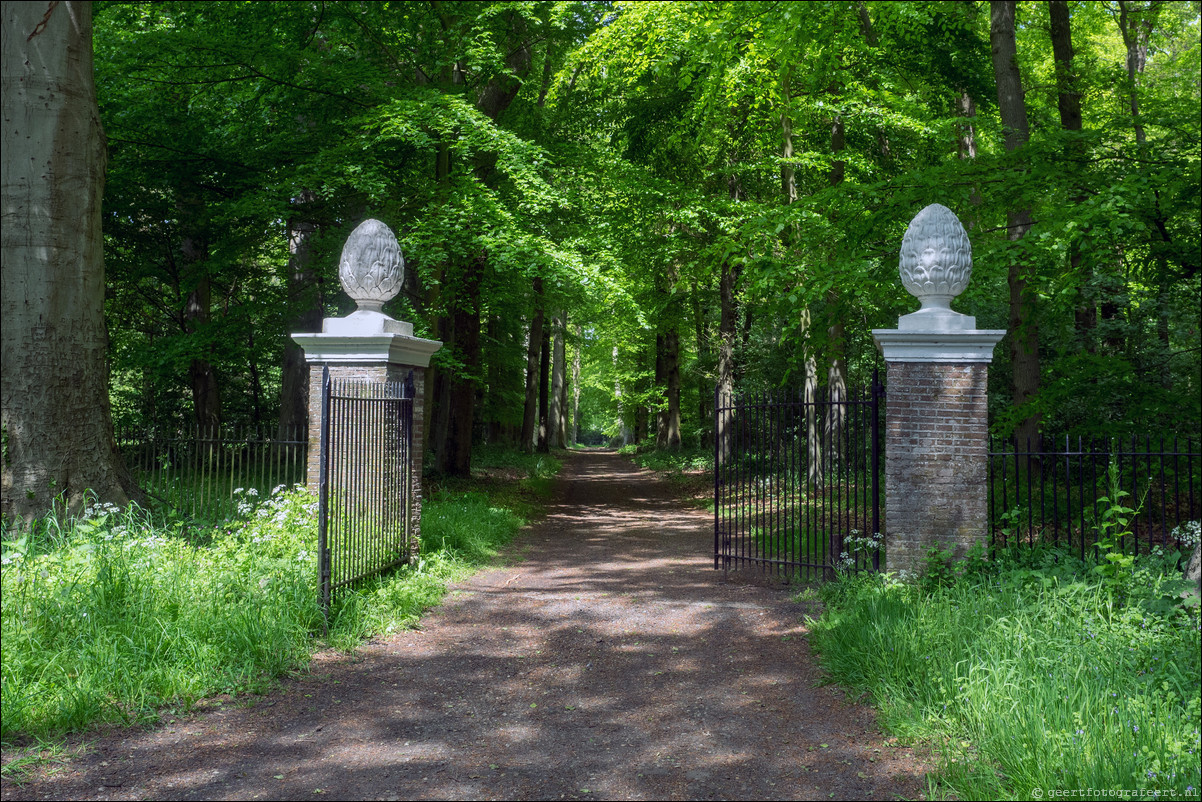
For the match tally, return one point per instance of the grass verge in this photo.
(116, 615)
(1031, 673)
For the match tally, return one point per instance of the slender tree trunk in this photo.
(809, 360)
(1085, 316)
(564, 436)
(672, 375)
(576, 384)
(1023, 331)
(623, 431)
(661, 381)
(533, 352)
(836, 377)
(967, 140)
(304, 293)
(197, 315)
(557, 409)
(727, 317)
(58, 430)
(454, 457)
(705, 395)
(1136, 23)
(544, 392)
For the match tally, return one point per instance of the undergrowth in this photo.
(1030, 672)
(115, 615)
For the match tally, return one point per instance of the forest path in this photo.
(608, 660)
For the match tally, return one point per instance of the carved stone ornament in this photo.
(936, 257)
(371, 268)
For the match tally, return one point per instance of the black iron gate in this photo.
(797, 481)
(365, 486)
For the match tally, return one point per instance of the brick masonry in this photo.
(936, 422)
(376, 372)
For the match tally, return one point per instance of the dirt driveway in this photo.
(610, 662)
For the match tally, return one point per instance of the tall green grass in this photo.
(1034, 671)
(115, 615)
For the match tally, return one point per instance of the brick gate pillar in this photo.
(368, 345)
(936, 415)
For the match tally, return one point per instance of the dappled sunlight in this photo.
(613, 658)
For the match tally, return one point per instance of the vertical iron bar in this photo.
(1164, 519)
(717, 469)
(877, 392)
(323, 507)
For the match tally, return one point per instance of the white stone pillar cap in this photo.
(937, 345)
(381, 348)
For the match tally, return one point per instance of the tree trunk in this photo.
(1085, 316)
(967, 140)
(533, 353)
(672, 375)
(197, 314)
(544, 392)
(623, 431)
(836, 377)
(1135, 24)
(558, 368)
(809, 361)
(304, 294)
(1068, 96)
(564, 423)
(661, 381)
(725, 419)
(464, 385)
(576, 385)
(57, 426)
(705, 395)
(1024, 334)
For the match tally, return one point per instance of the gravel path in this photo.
(611, 661)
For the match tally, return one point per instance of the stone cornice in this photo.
(341, 349)
(972, 345)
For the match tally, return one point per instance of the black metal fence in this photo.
(365, 487)
(797, 482)
(1064, 493)
(206, 472)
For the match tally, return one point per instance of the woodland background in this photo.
(608, 209)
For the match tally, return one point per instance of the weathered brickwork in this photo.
(376, 373)
(935, 460)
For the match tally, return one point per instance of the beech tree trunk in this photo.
(544, 392)
(558, 368)
(57, 425)
(1022, 329)
(669, 434)
(836, 375)
(302, 291)
(727, 317)
(575, 435)
(661, 411)
(1085, 315)
(533, 351)
(809, 360)
(1136, 22)
(197, 312)
(623, 429)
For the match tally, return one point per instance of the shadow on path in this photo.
(612, 662)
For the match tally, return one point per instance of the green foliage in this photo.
(1113, 526)
(116, 615)
(1028, 672)
(638, 159)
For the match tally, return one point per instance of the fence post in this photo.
(936, 420)
(368, 345)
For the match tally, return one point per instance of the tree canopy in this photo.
(687, 194)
